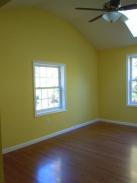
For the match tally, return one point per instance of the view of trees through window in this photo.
(134, 81)
(47, 87)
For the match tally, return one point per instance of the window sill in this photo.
(44, 113)
(132, 105)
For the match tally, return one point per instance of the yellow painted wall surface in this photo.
(33, 34)
(1, 160)
(112, 85)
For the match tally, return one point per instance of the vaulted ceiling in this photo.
(100, 33)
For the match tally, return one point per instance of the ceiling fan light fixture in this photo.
(111, 16)
(123, 18)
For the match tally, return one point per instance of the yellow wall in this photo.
(33, 34)
(1, 160)
(112, 85)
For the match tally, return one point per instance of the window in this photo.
(49, 88)
(131, 23)
(132, 80)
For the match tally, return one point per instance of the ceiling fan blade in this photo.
(128, 7)
(115, 3)
(3, 2)
(91, 9)
(96, 18)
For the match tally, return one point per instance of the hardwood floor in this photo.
(99, 153)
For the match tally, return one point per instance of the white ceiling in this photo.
(101, 34)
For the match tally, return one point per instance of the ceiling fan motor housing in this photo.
(112, 5)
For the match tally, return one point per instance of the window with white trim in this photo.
(132, 80)
(49, 88)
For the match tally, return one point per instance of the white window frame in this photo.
(62, 69)
(129, 80)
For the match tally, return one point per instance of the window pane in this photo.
(38, 105)
(51, 82)
(38, 94)
(37, 82)
(46, 76)
(52, 76)
(54, 97)
(47, 98)
(134, 91)
(134, 68)
(43, 82)
(44, 104)
(134, 86)
(134, 97)
(54, 102)
(42, 71)
(47, 82)
(57, 103)
(37, 71)
(52, 72)
(53, 93)
(44, 93)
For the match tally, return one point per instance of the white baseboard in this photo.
(31, 142)
(119, 122)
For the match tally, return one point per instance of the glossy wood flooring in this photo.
(99, 153)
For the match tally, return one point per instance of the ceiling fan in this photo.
(112, 11)
(4, 2)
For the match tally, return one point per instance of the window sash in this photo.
(130, 81)
(131, 92)
(61, 97)
(48, 66)
(54, 87)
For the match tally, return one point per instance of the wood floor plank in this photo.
(99, 153)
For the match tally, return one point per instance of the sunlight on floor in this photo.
(50, 172)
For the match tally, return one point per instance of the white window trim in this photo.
(63, 80)
(128, 73)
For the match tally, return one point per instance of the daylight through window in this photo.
(132, 80)
(131, 23)
(49, 82)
